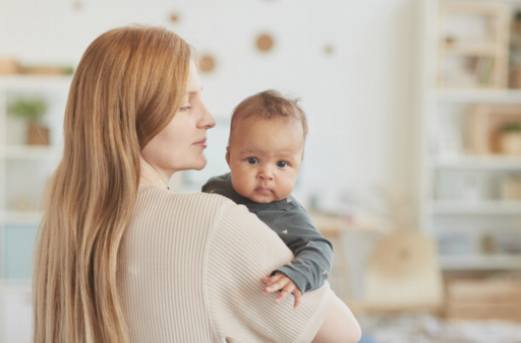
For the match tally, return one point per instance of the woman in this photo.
(121, 258)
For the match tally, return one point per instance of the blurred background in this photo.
(413, 163)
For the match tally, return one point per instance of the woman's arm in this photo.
(339, 326)
(242, 250)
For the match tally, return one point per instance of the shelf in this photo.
(499, 96)
(480, 262)
(35, 81)
(21, 152)
(479, 162)
(484, 49)
(20, 217)
(490, 207)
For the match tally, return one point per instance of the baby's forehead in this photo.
(239, 125)
(268, 151)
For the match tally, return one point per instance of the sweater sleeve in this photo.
(242, 250)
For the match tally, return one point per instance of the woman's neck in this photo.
(151, 176)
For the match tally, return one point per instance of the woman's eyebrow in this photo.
(191, 93)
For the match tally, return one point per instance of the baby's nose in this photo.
(265, 173)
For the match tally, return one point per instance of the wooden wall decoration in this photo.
(207, 63)
(264, 42)
(174, 17)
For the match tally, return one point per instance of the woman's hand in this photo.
(279, 282)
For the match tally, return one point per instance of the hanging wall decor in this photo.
(174, 17)
(207, 63)
(77, 5)
(264, 42)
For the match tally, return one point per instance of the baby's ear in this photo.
(228, 155)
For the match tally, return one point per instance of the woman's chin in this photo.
(199, 165)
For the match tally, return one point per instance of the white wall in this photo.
(359, 100)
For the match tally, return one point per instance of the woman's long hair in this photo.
(126, 89)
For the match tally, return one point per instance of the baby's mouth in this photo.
(263, 190)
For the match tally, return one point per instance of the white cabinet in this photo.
(25, 169)
(468, 201)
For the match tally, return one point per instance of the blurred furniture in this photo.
(16, 312)
(403, 272)
(382, 272)
(496, 298)
(467, 189)
(25, 170)
(333, 228)
(475, 55)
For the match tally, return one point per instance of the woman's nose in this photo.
(207, 120)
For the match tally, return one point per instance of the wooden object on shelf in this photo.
(490, 298)
(48, 70)
(510, 187)
(37, 134)
(482, 127)
(509, 143)
(8, 66)
(477, 131)
(486, 58)
(515, 78)
(403, 271)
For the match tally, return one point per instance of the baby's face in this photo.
(264, 157)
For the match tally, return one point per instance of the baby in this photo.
(265, 151)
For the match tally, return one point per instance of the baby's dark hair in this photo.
(269, 104)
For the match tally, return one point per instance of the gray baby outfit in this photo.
(313, 253)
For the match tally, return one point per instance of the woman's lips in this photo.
(201, 143)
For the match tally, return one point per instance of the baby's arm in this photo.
(313, 253)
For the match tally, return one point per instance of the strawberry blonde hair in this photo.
(126, 89)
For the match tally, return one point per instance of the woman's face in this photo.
(180, 145)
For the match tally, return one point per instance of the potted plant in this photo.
(31, 110)
(510, 138)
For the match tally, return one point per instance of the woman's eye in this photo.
(185, 108)
(252, 160)
(282, 164)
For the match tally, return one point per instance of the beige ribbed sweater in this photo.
(191, 266)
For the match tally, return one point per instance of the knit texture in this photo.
(190, 271)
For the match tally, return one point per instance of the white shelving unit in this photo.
(446, 167)
(25, 169)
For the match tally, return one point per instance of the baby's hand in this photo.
(282, 284)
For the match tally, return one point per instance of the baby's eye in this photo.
(282, 164)
(252, 160)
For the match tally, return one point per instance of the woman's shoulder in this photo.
(157, 195)
(212, 211)
(201, 204)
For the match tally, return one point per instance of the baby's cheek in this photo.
(243, 185)
(289, 186)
